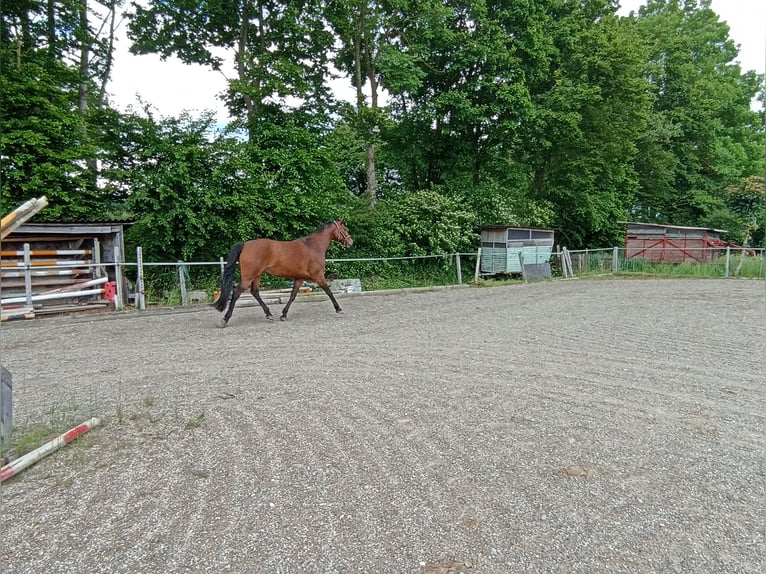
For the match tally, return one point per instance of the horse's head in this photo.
(341, 234)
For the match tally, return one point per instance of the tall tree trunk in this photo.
(371, 73)
(242, 68)
(109, 55)
(83, 94)
(50, 9)
(84, 57)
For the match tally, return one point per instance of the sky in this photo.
(172, 87)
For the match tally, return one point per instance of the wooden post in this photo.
(563, 258)
(96, 256)
(521, 263)
(569, 262)
(459, 269)
(477, 270)
(119, 297)
(28, 274)
(6, 410)
(182, 283)
(140, 290)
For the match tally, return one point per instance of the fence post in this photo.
(28, 274)
(6, 410)
(616, 260)
(728, 260)
(140, 299)
(521, 263)
(118, 279)
(478, 266)
(459, 269)
(98, 271)
(182, 283)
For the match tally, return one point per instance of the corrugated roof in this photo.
(663, 226)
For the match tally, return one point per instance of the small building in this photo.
(501, 246)
(62, 267)
(672, 243)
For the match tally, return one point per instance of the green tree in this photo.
(702, 135)
(193, 192)
(280, 50)
(52, 61)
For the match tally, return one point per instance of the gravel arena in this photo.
(580, 426)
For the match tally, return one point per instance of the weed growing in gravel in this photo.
(59, 419)
(199, 473)
(196, 422)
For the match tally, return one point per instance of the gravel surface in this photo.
(568, 426)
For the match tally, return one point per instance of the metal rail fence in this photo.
(129, 278)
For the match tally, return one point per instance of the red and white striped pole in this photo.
(15, 467)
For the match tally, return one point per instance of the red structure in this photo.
(673, 243)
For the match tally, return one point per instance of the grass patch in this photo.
(195, 423)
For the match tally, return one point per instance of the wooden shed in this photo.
(62, 267)
(502, 244)
(672, 243)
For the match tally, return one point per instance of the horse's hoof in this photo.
(270, 317)
(222, 324)
(283, 318)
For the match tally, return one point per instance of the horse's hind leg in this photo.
(296, 285)
(234, 296)
(254, 289)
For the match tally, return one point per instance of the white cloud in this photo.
(746, 20)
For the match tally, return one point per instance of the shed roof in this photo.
(98, 227)
(663, 226)
(515, 227)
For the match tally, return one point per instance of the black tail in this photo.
(228, 277)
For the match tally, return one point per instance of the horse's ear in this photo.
(340, 220)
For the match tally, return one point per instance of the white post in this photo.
(140, 299)
(182, 283)
(728, 260)
(521, 264)
(6, 410)
(99, 271)
(459, 269)
(616, 260)
(27, 275)
(569, 262)
(119, 301)
(563, 258)
(478, 266)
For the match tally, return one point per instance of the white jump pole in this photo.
(50, 297)
(15, 467)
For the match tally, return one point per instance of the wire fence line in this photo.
(128, 278)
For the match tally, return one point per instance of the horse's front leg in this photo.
(234, 296)
(326, 289)
(255, 290)
(296, 285)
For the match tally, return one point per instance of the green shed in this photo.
(501, 246)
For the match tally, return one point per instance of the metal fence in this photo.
(722, 262)
(139, 284)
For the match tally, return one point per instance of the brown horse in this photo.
(300, 260)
